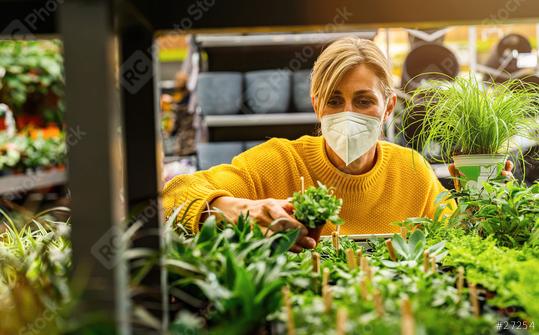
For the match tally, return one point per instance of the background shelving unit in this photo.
(252, 127)
(17, 184)
(242, 53)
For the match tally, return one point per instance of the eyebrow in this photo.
(367, 91)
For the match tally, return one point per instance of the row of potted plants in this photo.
(449, 274)
(32, 81)
(35, 149)
(465, 273)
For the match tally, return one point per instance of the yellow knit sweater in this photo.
(400, 185)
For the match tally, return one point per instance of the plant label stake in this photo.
(404, 233)
(378, 303)
(327, 297)
(407, 318)
(365, 268)
(290, 317)
(460, 280)
(389, 246)
(325, 278)
(351, 259)
(316, 262)
(363, 288)
(359, 254)
(342, 315)
(335, 240)
(302, 184)
(426, 261)
(364, 264)
(433, 264)
(474, 299)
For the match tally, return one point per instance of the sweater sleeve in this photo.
(195, 192)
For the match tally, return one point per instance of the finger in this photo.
(265, 231)
(284, 203)
(283, 221)
(509, 165)
(284, 224)
(452, 170)
(306, 242)
(507, 174)
(296, 248)
(453, 173)
(289, 208)
(263, 219)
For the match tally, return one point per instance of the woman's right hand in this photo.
(272, 215)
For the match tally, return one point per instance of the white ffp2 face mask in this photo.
(350, 134)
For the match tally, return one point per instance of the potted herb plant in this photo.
(473, 124)
(315, 207)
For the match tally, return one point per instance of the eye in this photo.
(364, 102)
(334, 101)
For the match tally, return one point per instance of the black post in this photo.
(139, 81)
(95, 159)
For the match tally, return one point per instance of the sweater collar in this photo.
(318, 162)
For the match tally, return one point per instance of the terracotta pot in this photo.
(314, 233)
(51, 99)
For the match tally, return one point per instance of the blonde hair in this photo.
(339, 57)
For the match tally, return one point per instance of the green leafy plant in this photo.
(412, 250)
(231, 272)
(11, 150)
(316, 206)
(31, 78)
(37, 295)
(466, 117)
(504, 272)
(327, 251)
(23, 152)
(509, 212)
(41, 152)
(34, 263)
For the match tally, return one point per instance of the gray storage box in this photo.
(268, 91)
(219, 93)
(301, 88)
(211, 154)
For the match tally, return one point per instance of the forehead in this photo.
(360, 77)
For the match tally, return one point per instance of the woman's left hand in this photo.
(507, 172)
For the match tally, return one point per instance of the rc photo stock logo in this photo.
(18, 29)
(15, 30)
(107, 250)
(136, 71)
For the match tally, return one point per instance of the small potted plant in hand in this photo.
(473, 123)
(315, 207)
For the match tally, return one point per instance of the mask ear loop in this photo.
(382, 124)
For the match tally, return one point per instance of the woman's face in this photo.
(359, 91)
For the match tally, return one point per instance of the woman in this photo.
(379, 182)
